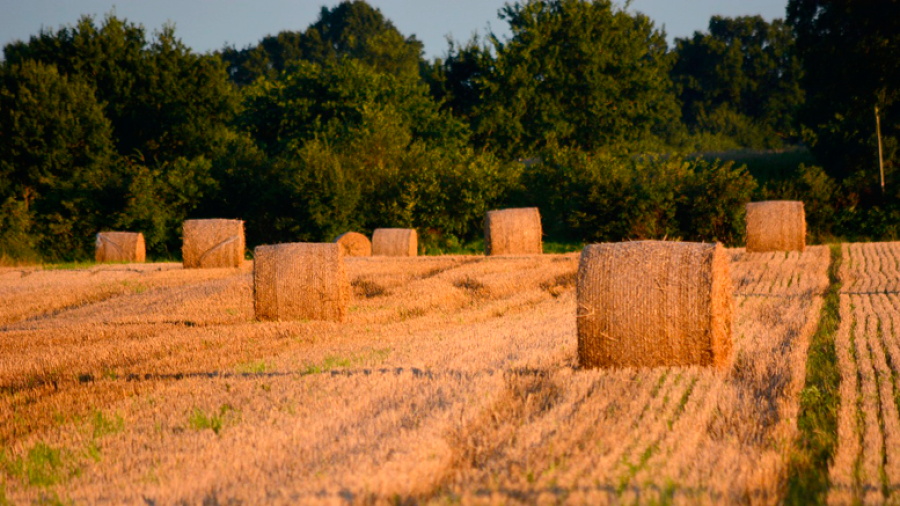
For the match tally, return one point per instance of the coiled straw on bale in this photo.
(653, 303)
(513, 232)
(776, 225)
(395, 242)
(300, 281)
(213, 244)
(120, 247)
(354, 244)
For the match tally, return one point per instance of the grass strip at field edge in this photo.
(813, 451)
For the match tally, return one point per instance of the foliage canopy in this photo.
(351, 29)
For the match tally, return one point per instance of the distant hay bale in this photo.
(395, 242)
(300, 281)
(210, 244)
(776, 225)
(354, 244)
(513, 232)
(654, 303)
(120, 247)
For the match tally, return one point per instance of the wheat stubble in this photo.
(453, 378)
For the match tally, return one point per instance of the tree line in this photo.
(584, 110)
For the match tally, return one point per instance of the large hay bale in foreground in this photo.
(354, 244)
(776, 225)
(395, 242)
(212, 244)
(300, 281)
(654, 303)
(513, 232)
(120, 247)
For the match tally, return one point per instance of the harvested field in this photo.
(866, 467)
(453, 378)
(871, 268)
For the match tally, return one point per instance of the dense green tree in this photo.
(352, 29)
(56, 160)
(575, 73)
(356, 148)
(458, 80)
(268, 58)
(742, 79)
(163, 100)
(160, 196)
(333, 99)
(850, 54)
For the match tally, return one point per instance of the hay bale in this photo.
(776, 225)
(354, 244)
(395, 242)
(210, 244)
(654, 303)
(300, 281)
(513, 232)
(120, 247)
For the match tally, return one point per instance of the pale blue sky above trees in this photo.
(206, 25)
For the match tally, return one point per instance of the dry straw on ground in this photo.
(513, 232)
(299, 281)
(654, 303)
(395, 242)
(120, 247)
(354, 244)
(776, 225)
(212, 244)
(433, 390)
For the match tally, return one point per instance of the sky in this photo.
(207, 25)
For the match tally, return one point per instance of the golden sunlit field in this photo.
(453, 379)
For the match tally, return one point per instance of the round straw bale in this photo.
(300, 281)
(776, 225)
(355, 244)
(654, 303)
(395, 242)
(210, 244)
(120, 247)
(513, 232)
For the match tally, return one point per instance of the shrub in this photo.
(17, 240)
(818, 192)
(612, 197)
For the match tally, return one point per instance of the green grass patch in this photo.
(329, 363)
(476, 247)
(104, 425)
(765, 165)
(68, 266)
(332, 362)
(135, 286)
(214, 421)
(254, 367)
(44, 465)
(814, 450)
(41, 466)
(554, 247)
(76, 265)
(436, 247)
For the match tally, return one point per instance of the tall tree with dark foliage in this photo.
(352, 29)
(851, 54)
